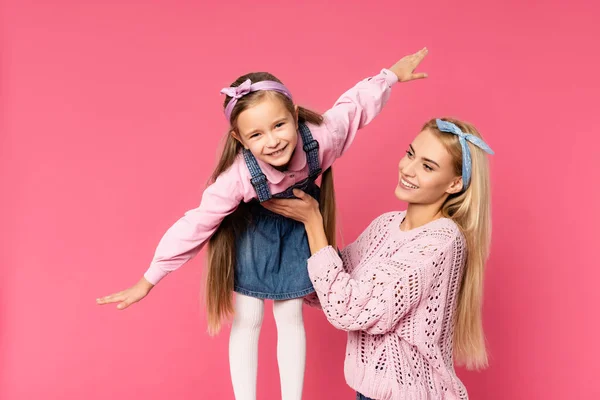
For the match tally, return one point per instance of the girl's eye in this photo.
(279, 125)
(427, 167)
(409, 153)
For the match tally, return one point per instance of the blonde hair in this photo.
(221, 253)
(471, 211)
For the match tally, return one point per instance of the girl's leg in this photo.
(291, 347)
(243, 346)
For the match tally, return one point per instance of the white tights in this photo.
(243, 346)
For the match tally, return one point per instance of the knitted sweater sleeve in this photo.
(350, 255)
(386, 289)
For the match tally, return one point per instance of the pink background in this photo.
(111, 117)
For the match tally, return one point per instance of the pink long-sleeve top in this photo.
(395, 292)
(353, 110)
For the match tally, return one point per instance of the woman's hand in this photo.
(405, 68)
(304, 209)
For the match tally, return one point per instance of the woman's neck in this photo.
(418, 215)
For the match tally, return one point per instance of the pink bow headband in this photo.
(237, 92)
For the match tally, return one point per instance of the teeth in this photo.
(408, 184)
(278, 152)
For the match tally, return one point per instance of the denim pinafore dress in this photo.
(272, 252)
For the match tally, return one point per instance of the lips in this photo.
(277, 152)
(407, 184)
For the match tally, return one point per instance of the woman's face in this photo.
(427, 172)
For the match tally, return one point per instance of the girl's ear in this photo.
(237, 137)
(296, 115)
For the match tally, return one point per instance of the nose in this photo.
(272, 140)
(407, 167)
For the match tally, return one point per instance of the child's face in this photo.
(269, 131)
(427, 173)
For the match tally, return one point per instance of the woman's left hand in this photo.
(304, 209)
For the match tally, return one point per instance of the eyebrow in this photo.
(280, 119)
(250, 133)
(424, 159)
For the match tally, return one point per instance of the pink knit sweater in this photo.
(395, 293)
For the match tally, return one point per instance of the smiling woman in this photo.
(409, 290)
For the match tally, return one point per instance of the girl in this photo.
(409, 290)
(273, 146)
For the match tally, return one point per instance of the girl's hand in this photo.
(304, 209)
(404, 69)
(128, 296)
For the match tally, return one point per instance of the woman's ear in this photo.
(456, 186)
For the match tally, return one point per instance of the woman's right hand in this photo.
(303, 209)
(129, 296)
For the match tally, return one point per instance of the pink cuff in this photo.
(154, 275)
(389, 77)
